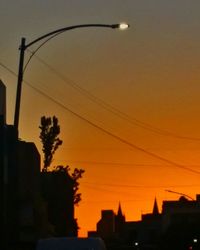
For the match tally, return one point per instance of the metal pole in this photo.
(19, 83)
(174, 192)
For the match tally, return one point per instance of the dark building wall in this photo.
(8, 168)
(29, 169)
(180, 223)
(28, 159)
(19, 181)
(2, 102)
(3, 183)
(106, 225)
(119, 223)
(118, 233)
(177, 227)
(132, 231)
(181, 207)
(150, 230)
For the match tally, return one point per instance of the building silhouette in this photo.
(106, 225)
(19, 184)
(119, 222)
(2, 103)
(176, 227)
(181, 223)
(33, 204)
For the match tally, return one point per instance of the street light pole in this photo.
(49, 35)
(19, 83)
(174, 192)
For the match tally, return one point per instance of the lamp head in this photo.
(121, 26)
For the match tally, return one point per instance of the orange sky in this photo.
(140, 85)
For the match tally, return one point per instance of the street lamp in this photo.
(50, 35)
(123, 26)
(185, 195)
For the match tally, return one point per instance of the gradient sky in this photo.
(141, 85)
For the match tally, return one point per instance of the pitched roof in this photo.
(119, 213)
(155, 207)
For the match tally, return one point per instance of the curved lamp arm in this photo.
(185, 195)
(51, 35)
(58, 31)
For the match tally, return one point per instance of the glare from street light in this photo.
(123, 26)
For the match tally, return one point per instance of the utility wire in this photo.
(8, 69)
(115, 163)
(35, 51)
(138, 186)
(104, 190)
(116, 137)
(109, 107)
(108, 163)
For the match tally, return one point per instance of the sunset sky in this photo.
(128, 102)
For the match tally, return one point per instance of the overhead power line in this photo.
(138, 186)
(116, 137)
(110, 108)
(119, 164)
(116, 164)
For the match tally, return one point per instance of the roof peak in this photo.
(119, 213)
(155, 207)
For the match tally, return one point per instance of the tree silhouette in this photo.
(75, 176)
(59, 186)
(50, 131)
(68, 225)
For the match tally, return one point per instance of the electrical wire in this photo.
(104, 190)
(110, 108)
(115, 163)
(116, 137)
(119, 164)
(138, 186)
(35, 51)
